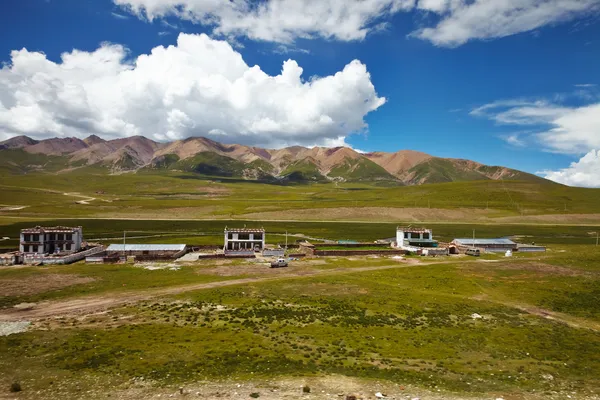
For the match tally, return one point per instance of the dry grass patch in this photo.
(40, 284)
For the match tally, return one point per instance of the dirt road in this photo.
(90, 304)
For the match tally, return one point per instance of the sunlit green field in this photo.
(187, 196)
(539, 330)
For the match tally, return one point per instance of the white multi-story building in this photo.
(244, 239)
(415, 237)
(50, 240)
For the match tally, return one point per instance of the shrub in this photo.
(15, 387)
(255, 395)
(305, 389)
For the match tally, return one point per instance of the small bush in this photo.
(15, 387)
(305, 389)
(255, 395)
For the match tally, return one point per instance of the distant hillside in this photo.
(209, 158)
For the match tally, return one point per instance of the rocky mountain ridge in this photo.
(208, 157)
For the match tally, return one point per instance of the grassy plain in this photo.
(181, 195)
(369, 318)
(539, 331)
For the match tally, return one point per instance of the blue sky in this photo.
(506, 86)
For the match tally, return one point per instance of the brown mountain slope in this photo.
(399, 162)
(313, 164)
(139, 148)
(57, 146)
(17, 142)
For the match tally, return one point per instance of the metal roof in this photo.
(469, 242)
(413, 230)
(52, 229)
(244, 230)
(146, 247)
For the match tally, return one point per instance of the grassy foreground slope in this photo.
(173, 194)
(410, 325)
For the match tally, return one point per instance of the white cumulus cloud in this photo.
(283, 21)
(275, 20)
(585, 172)
(464, 20)
(571, 130)
(198, 87)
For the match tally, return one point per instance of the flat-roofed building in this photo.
(499, 245)
(415, 237)
(244, 239)
(51, 240)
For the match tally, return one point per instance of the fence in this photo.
(273, 253)
(358, 252)
(71, 258)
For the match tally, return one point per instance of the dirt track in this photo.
(89, 304)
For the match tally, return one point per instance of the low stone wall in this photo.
(273, 253)
(343, 253)
(71, 258)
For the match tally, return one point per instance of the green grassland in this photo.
(209, 232)
(179, 195)
(408, 325)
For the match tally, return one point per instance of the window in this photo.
(35, 249)
(68, 246)
(26, 248)
(406, 235)
(36, 238)
(27, 238)
(243, 236)
(258, 236)
(69, 236)
(426, 235)
(60, 236)
(230, 236)
(53, 236)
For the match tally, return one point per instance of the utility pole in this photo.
(286, 242)
(597, 238)
(473, 238)
(124, 243)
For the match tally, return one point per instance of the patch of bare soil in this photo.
(40, 284)
(321, 387)
(375, 213)
(180, 213)
(91, 304)
(573, 219)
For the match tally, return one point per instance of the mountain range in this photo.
(203, 156)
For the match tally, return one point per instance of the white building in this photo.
(50, 240)
(414, 237)
(244, 239)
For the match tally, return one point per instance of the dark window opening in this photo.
(36, 238)
(406, 235)
(426, 235)
(244, 236)
(69, 236)
(230, 236)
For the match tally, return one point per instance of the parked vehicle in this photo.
(473, 252)
(279, 263)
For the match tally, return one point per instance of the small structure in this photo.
(244, 240)
(500, 245)
(530, 248)
(51, 240)
(415, 237)
(146, 251)
(11, 258)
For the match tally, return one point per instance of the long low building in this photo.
(499, 245)
(150, 250)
